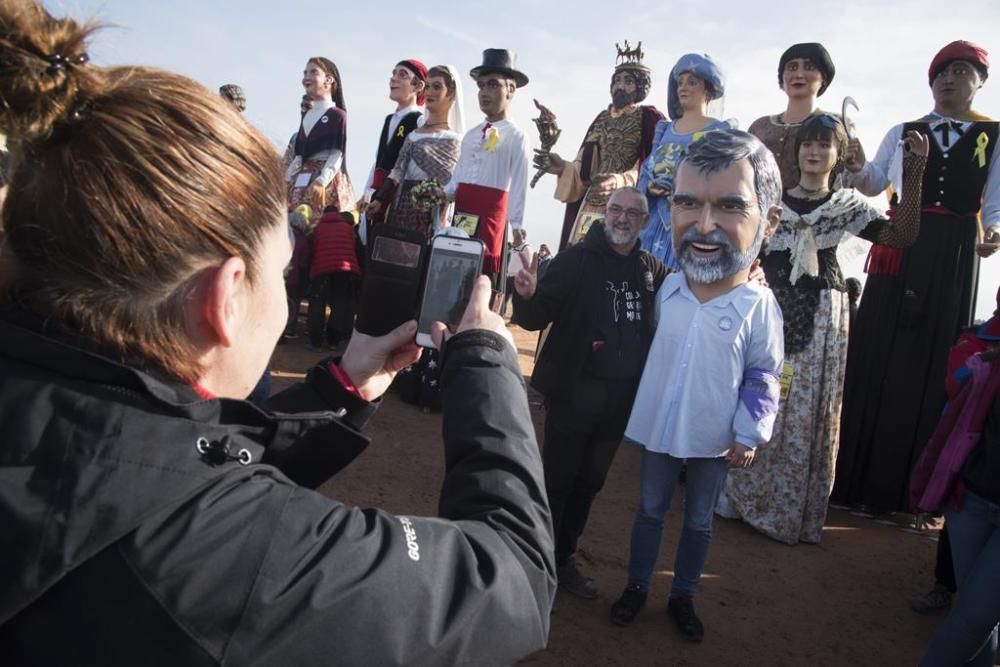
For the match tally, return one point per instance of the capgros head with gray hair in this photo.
(717, 150)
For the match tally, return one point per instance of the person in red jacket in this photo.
(334, 273)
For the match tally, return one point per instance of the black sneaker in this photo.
(933, 602)
(572, 581)
(624, 611)
(682, 611)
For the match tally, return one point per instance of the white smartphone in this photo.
(454, 265)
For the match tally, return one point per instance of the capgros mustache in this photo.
(715, 237)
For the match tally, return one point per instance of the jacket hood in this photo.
(92, 449)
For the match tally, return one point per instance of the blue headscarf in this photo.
(702, 66)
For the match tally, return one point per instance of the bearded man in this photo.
(616, 144)
(598, 296)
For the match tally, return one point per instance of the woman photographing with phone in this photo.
(150, 511)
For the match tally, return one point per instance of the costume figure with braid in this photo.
(917, 300)
(317, 174)
(785, 494)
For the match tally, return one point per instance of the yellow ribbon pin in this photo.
(492, 139)
(982, 141)
(400, 132)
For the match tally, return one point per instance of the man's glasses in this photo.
(633, 214)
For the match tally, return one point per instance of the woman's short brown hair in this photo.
(127, 183)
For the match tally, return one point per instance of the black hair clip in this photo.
(58, 62)
(80, 110)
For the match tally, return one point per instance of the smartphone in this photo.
(391, 286)
(452, 269)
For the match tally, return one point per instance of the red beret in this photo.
(960, 50)
(418, 68)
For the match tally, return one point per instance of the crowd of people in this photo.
(696, 307)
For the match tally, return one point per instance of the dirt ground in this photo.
(843, 602)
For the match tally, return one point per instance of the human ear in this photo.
(222, 303)
(772, 219)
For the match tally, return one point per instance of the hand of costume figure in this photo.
(526, 280)
(854, 156)
(477, 316)
(917, 143)
(373, 209)
(757, 274)
(550, 162)
(372, 361)
(662, 186)
(317, 196)
(603, 184)
(739, 456)
(545, 114)
(990, 244)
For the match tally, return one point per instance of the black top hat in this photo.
(502, 61)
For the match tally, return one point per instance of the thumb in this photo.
(537, 105)
(399, 336)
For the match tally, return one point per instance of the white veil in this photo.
(456, 118)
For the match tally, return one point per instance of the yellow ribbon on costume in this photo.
(492, 139)
(982, 141)
(401, 131)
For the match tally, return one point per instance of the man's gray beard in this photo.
(730, 260)
(621, 99)
(615, 237)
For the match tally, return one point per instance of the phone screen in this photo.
(394, 251)
(450, 278)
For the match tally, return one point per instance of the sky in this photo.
(881, 52)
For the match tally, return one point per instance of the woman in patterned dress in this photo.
(429, 153)
(695, 81)
(785, 494)
(317, 174)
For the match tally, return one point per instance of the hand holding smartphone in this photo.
(454, 265)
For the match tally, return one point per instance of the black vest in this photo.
(388, 148)
(328, 133)
(956, 177)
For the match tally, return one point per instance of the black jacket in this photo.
(569, 296)
(124, 544)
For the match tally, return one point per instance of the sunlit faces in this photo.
(716, 221)
(801, 78)
(624, 90)
(624, 218)
(817, 156)
(404, 85)
(438, 97)
(692, 92)
(495, 94)
(956, 84)
(317, 83)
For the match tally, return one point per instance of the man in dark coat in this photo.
(598, 295)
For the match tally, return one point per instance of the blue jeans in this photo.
(968, 636)
(660, 472)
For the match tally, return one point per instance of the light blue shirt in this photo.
(688, 403)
